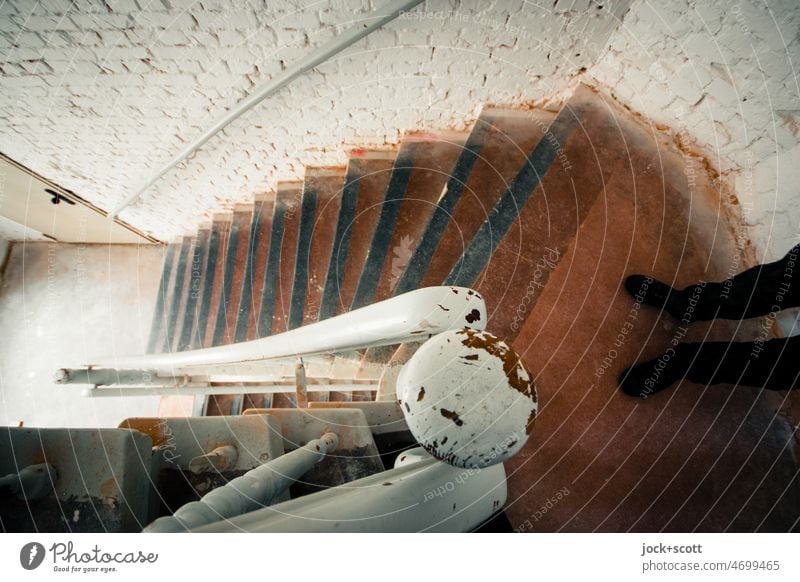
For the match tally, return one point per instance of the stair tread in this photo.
(256, 269)
(163, 297)
(328, 189)
(514, 252)
(364, 188)
(196, 269)
(236, 263)
(418, 176)
(213, 300)
(292, 197)
(504, 153)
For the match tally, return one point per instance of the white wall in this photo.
(722, 75)
(61, 306)
(97, 98)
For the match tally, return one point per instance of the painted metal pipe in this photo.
(426, 495)
(318, 56)
(32, 482)
(413, 316)
(256, 488)
(117, 391)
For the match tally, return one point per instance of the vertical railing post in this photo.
(301, 384)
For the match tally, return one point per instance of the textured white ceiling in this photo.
(97, 95)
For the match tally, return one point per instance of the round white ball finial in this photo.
(468, 398)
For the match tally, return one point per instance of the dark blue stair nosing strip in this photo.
(208, 287)
(198, 259)
(429, 242)
(159, 316)
(246, 299)
(384, 229)
(269, 291)
(347, 212)
(300, 285)
(178, 290)
(505, 212)
(220, 327)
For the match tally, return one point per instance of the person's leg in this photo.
(772, 364)
(757, 291)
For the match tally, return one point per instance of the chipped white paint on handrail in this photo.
(413, 316)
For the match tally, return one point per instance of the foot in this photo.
(655, 293)
(647, 378)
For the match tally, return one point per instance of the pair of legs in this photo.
(773, 364)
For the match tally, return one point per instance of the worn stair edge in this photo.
(215, 244)
(258, 251)
(235, 267)
(162, 298)
(308, 210)
(222, 223)
(505, 212)
(179, 292)
(263, 326)
(384, 228)
(197, 269)
(293, 195)
(429, 242)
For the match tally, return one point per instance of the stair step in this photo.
(266, 310)
(187, 329)
(327, 186)
(162, 299)
(364, 190)
(521, 242)
(322, 196)
(220, 230)
(418, 177)
(255, 273)
(291, 195)
(237, 254)
(509, 137)
(198, 333)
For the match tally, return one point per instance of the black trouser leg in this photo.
(772, 364)
(757, 291)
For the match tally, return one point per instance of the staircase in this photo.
(544, 213)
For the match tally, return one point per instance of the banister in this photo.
(318, 56)
(413, 316)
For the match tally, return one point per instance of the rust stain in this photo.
(473, 316)
(452, 416)
(421, 394)
(512, 363)
(531, 419)
(109, 488)
(152, 428)
(471, 357)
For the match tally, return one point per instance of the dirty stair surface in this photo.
(544, 213)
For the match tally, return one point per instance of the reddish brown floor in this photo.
(691, 458)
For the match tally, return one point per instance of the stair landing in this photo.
(690, 458)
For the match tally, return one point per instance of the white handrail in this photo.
(318, 56)
(413, 316)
